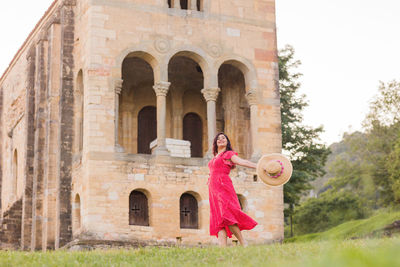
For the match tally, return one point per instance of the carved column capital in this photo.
(161, 88)
(30, 56)
(252, 97)
(118, 86)
(210, 94)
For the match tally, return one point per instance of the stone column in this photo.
(161, 89)
(26, 227)
(252, 98)
(211, 96)
(40, 138)
(193, 5)
(118, 89)
(176, 4)
(66, 126)
(51, 144)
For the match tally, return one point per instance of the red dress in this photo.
(224, 203)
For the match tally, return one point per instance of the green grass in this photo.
(372, 252)
(370, 227)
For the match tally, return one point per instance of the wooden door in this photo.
(138, 209)
(193, 132)
(189, 212)
(147, 129)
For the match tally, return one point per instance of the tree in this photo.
(370, 166)
(301, 142)
(385, 108)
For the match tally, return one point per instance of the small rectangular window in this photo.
(255, 178)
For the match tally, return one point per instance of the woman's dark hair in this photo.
(215, 147)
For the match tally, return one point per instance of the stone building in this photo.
(108, 111)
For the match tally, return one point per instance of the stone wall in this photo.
(66, 134)
(105, 211)
(60, 176)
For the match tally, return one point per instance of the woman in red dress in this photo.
(226, 216)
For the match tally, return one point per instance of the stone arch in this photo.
(187, 77)
(140, 52)
(76, 213)
(139, 207)
(197, 55)
(244, 65)
(233, 109)
(189, 210)
(137, 92)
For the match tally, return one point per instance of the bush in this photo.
(330, 209)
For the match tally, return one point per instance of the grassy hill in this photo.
(371, 227)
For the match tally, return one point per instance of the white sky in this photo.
(346, 47)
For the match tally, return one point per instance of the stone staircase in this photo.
(10, 227)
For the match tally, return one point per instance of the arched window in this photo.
(147, 129)
(189, 212)
(15, 174)
(76, 211)
(193, 132)
(138, 209)
(184, 4)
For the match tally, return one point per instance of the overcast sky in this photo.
(346, 47)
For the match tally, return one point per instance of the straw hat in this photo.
(274, 169)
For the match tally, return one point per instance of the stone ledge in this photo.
(91, 244)
(145, 158)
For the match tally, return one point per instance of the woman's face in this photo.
(222, 141)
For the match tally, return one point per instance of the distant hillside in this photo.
(339, 149)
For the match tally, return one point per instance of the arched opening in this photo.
(193, 132)
(242, 202)
(233, 110)
(184, 96)
(138, 209)
(76, 213)
(184, 4)
(169, 3)
(15, 175)
(189, 212)
(137, 96)
(147, 129)
(79, 114)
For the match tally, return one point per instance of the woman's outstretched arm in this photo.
(242, 162)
